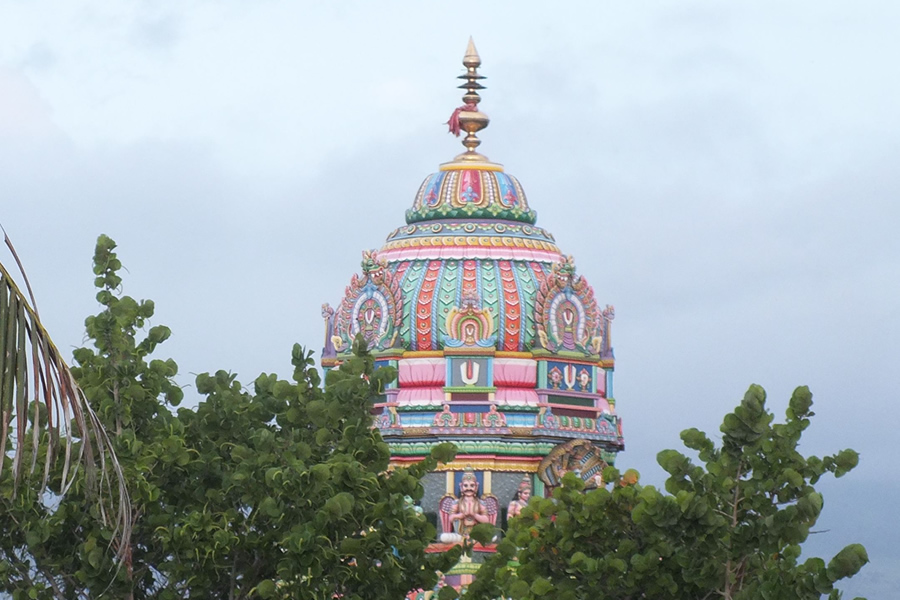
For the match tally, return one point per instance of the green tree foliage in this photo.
(43, 411)
(66, 550)
(290, 494)
(279, 492)
(731, 527)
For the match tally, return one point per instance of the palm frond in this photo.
(32, 371)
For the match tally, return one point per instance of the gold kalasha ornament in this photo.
(467, 118)
(472, 121)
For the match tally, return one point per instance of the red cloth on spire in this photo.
(453, 123)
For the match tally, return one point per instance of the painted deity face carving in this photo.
(468, 488)
(372, 267)
(469, 331)
(524, 495)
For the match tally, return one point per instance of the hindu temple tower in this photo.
(500, 345)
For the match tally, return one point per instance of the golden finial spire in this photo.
(467, 117)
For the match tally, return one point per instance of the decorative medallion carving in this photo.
(469, 326)
(372, 306)
(567, 315)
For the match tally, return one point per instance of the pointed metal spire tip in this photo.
(471, 58)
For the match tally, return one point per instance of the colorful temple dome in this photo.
(464, 192)
(500, 345)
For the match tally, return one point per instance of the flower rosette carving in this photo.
(372, 306)
(568, 318)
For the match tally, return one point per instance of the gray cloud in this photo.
(156, 31)
(40, 56)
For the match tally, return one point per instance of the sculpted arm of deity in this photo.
(465, 509)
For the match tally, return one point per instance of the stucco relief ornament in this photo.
(328, 350)
(576, 456)
(388, 418)
(468, 325)
(494, 418)
(445, 418)
(608, 314)
(546, 419)
(460, 514)
(607, 425)
(568, 316)
(372, 306)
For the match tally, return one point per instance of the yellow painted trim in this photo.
(578, 361)
(471, 166)
(487, 482)
(415, 430)
(507, 354)
(449, 482)
(468, 241)
(423, 354)
(521, 431)
(489, 464)
(468, 351)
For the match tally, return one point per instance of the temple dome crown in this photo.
(472, 193)
(470, 270)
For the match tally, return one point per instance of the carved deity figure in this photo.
(568, 325)
(520, 498)
(469, 330)
(468, 511)
(459, 514)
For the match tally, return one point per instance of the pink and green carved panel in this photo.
(497, 297)
(470, 193)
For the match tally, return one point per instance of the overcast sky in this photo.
(725, 175)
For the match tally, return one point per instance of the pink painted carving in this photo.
(423, 395)
(414, 372)
(516, 397)
(469, 252)
(515, 372)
